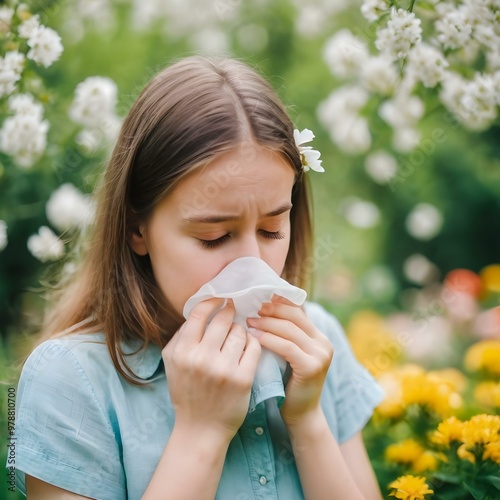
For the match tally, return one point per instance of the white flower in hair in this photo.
(309, 156)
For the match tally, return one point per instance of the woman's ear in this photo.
(137, 241)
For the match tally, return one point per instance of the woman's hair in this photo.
(188, 114)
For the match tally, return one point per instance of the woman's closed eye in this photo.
(271, 235)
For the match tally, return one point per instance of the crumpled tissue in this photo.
(249, 281)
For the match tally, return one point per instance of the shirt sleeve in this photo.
(63, 435)
(355, 392)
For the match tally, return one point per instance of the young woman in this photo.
(123, 397)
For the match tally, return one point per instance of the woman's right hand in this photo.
(210, 369)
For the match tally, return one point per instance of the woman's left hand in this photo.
(286, 330)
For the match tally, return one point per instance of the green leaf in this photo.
(493, 480)
(447, 478)
(477, 492)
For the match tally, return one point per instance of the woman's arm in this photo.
(328, 470)
(40, 490)
(210, 370)
(325, 469)
(190, 467)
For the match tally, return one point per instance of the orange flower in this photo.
(464, 281)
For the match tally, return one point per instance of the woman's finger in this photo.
(285, 329)
(251, 355)
(196, 322)
(219, 327)
(292, 313)
(235, 342)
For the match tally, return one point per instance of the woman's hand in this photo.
(285, 329)
(210, 369)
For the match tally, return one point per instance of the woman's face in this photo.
(238, 205)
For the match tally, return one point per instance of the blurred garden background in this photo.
(402, 97)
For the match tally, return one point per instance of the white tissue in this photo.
(249, 281)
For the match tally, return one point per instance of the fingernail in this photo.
(255, 332)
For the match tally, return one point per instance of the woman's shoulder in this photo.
(81, 348)
(327, 323)
(88, 352)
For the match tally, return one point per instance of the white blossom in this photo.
(353, 135)
(339, 113)
(379, 75)
(454, 30)
(373, 9)
(28, 28)
(45, 245)
(424, 222)
(360, 213)
(344, 101)
(309, 156)
(405, 139)
(210, 41)
(479, 101)
(11, 67)
(99, 12)
(24, 104)
(493, 60)
(487, 36)
(3, 235)
(480, 12)
(310, 20)
(68, 208)
(419, 269)
(426, 64)
(6, 14)
(46, 46)
(402, 32)
(474, 103)
(402, 110)
(24, 135)
(95, 138)
(95, 100)
(381, 166)
(345, 54)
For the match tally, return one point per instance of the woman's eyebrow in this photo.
(213, 219)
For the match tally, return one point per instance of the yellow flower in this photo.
(465, 454)
(430, 391)
(481, 429)
(405, 452)
(426, 461)
(453, 377)
(492, 451)
(407, 385)
(488, 394)
(448, 430)
(392, 405)
(373, 344)
(490, 277)
(484, 355)
(410, 488)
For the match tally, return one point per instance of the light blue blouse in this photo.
(83, 428)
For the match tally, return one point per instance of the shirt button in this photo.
(259, 431)
(262, 480)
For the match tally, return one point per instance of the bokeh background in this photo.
(407, 212)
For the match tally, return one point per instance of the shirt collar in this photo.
(145, 361)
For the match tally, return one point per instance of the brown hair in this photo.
(191, 112)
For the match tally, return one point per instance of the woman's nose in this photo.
(249, 247)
